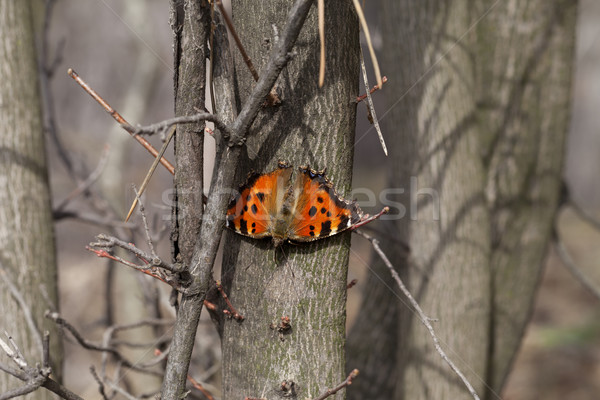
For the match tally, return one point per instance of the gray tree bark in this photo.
(484, 96)
(27, 257)
(307, 283)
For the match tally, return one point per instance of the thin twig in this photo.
(34, 378)
(200, 387)
(585, 215)
(87, 183)
(237, 40)
(99, 382)
(232, 311)
(373, 90)
(145, 223)
(92, 218)
(150, 172)
(570, 264)
(92, 346)
(185, 119)
(46, 353)
(368, 218)
(425, 320)
(370, 104)
(346, 382)
(109, 242)
(113, 113)
(273, 98)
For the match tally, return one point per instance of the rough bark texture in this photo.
(189, 21)
(482, 97)
(26, 234)
(307, 282)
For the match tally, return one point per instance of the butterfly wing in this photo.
(320, 212)
(253, 208)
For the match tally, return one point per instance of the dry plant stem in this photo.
(425, 320)
(370, 104)
(321, 9)
(212, 226)
(339, 387)
(157, 159)
(117, 117)
(373, 90)
(363, 23)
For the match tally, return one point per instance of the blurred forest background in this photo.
(124, 50)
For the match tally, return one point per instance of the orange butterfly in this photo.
(303, 209)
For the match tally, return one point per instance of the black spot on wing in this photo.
(261, 196)
(320, 199)
(323, 210)
(243, 226)
(312, 211)
(325, 228)
(254, 209)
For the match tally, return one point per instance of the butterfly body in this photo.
(287, 207)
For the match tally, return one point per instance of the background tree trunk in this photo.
(482, 98)
(307, 282)
(26, 232)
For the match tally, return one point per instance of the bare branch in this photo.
(425, 320)
(232, 311)
(371, 91)
(113, 113)
(163, 126)
(584, 214)
(99, 382)
(92, 346)
(83, 186)
(570, 264)
(109, 242)
(346, 382)
(31, 386)
(34, 378)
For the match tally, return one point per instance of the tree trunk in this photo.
(26, 231)
(482, 97)
(307, 282)
(526, 50)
